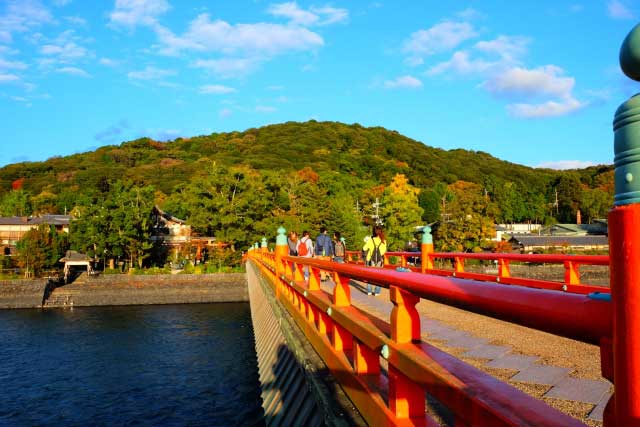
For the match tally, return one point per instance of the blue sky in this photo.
(532, 82)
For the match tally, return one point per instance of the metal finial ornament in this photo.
(626, 126)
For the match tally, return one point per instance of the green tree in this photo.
(595, 203)
(15, 203)
(116, 226)
(400, 212)
(41, 248)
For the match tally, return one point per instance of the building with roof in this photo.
(534, 243)
(13, 228)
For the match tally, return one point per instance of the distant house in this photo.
(531, 243)
(169, 230)
(13, 228)
(571, 237)
(175, 237)
(519, 228)
(597, 228)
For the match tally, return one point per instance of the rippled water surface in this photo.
(147, 365)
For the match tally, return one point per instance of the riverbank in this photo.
(126, 290)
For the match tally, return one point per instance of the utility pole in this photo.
(376, 215)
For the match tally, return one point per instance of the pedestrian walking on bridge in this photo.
(324, 249)
(375, 248)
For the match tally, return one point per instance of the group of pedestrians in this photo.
(334, 249)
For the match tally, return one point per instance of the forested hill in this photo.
(334, 158)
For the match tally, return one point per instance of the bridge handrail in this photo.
(334, 326)
(575, 316)
(571, 263)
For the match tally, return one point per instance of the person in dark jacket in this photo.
(324, 249)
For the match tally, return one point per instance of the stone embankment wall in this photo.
(128, 290)
(22, 293)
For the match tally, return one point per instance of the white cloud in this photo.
(228, 67)
(8, 78)
(545, 109)
(14, 65)
(76, 20)
(63, 50)
(567, 164)
(618, 10)
(5, 37)
(109, 62)
(539, 83)
(506, 47)
(73, 71)
(265, 109)
(224, 113)
(413, 61)
(61, 3)
(325, 15)
(130, 13)
(403, 82)
(216, 89)
(292, 11)
(22, 16)
(545, 80)
(460, 63)
(219, 36)
(331, 15)
(505, 52)
(66, 51)
(439, 38)
(150, 73)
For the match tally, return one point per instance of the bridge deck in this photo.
(562, 372)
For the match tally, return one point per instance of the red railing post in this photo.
(504, 271)
(405, 320)
(458, 265)
(281, 252)
(406, 397)
(571, 273)
(624, 250)
(426, 247)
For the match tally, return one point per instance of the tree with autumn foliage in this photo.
(468, 226)
(400, 212)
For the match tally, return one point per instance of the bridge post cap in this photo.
(630, 54)
(281, 238)
(426, 235)
(264, 242)
(626, 126)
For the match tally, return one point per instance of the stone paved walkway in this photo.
(525, 369)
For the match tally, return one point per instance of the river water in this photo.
(177, 365)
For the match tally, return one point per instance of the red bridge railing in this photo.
(386, 368)
(425, 262)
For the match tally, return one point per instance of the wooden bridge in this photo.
(394, 377)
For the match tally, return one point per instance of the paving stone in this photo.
(516, 362)
(597, 413)
(468, 341)
(542, 374)
(580, 390)
(487, 351)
